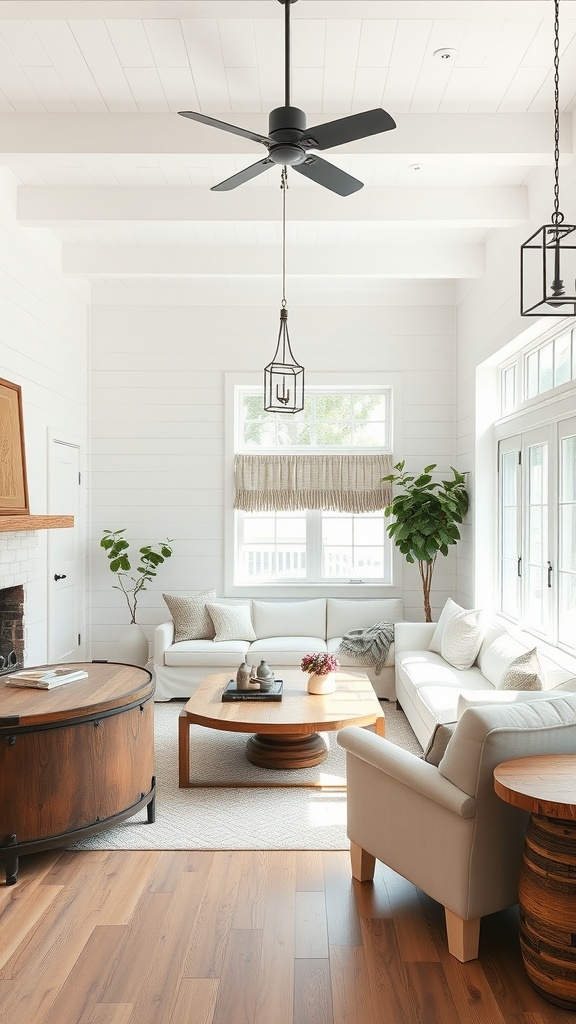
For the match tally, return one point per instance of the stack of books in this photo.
(46, 679)
(231, 692)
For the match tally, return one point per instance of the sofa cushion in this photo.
(190, 615)
(289, 618)
(231, 622)
(284, 650)
(462, 637)
(424, 668)
(343, 615)
(523, 674)
(449, 609)
(499, 656)
(206, 654)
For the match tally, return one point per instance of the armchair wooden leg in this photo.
(463, 936)
(363, 863)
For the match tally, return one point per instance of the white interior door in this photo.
(65, 559)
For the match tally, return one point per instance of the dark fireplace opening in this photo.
(11, 629)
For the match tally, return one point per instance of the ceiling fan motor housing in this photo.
(286, 127)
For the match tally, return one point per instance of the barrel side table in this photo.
(545, 785)
(74, 760)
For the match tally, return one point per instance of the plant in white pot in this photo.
(132, 642)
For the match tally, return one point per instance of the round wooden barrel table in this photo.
(75, 759)
(545, 785)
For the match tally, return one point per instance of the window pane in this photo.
(370, 407)
(274, 546)
(330, 434)
(567, 610)
(545, 370)
(568, 469)
(537, 540)
(562, 368)
(535, 611)
(370, 435)
(509, 389)
(532, 375)
(567, 559)
(510, 588)
(510, 533)
(369, 529)
(336, 529)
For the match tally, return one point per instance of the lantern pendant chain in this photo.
(557, 217)
(284, 187)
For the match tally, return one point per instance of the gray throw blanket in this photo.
(370, 645)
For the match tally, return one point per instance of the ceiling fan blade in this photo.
(348, 129)
(238, 179)
(319, 170)
(213, 122)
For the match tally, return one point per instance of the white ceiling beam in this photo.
(403, 260)
(311, 9)
(517, 139)
(64, 205)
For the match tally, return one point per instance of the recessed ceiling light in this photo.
(446, 55)
(415, 167)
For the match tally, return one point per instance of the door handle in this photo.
(57, 577)
(550, 571)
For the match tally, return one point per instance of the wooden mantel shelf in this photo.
(9, 524)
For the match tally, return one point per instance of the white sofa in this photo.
(285, 632)
(430, 691)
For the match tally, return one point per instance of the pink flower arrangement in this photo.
(320, 664)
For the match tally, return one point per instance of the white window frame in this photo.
(343, 381)
(547, 423)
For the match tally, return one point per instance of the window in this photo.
(537, 473)
(314, 545)
(538, 371)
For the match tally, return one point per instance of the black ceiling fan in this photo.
(289, 139)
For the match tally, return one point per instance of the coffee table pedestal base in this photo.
(286, 751)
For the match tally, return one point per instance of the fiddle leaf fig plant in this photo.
(151, 556)
(426, 516)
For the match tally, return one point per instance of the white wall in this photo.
(158, 422)
(44, 349)
(489, 327)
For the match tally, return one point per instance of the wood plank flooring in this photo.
(244, 938)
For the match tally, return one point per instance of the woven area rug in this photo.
(285, 818)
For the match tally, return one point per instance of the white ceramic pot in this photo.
(133, 645)
(322, 684)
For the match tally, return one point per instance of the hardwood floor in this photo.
(244, 938)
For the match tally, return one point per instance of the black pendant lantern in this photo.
(283, 377)
(548, 257)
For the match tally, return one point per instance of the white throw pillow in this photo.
(523, 674)
(231, 621)
(462, 638)
(499, 656)
(449, 609)
(191, 618)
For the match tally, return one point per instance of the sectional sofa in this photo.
(431, 691)
(282, 633)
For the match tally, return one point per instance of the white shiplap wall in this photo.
(44, 349)
(158, 419)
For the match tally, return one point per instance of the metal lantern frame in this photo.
(283, 377)
(548, 257)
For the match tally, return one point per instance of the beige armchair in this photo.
(443, 828)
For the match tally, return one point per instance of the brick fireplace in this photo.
(11, 628)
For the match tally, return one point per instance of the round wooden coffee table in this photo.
(285, 733)
(545, 785)
(74, 760)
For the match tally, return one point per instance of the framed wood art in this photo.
(13, 483)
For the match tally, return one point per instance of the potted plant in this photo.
(133, 644)
(426, 516)
(321, 668)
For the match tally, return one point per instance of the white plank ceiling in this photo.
(90, 89)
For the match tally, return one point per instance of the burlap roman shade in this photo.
(292, 483)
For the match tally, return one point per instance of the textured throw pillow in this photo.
(438, 742)
(523, 674)
(191, 618)
(231, 621)
(462, 638)
(449, 609)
